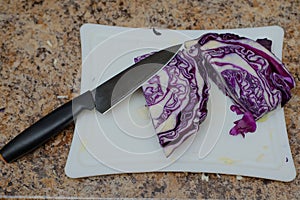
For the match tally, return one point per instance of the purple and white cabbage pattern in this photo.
(248, 73)
(245, 70)
(177, 98)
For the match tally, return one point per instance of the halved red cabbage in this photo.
(252, 76)
(177, 98)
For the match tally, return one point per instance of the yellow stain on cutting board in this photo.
(82, 146)
(260, 157)
(265, 147)
(143, 112)
(264, 118)
(83, 155)
(228, 161)
(271, 135)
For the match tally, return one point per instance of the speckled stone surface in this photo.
(40, 59)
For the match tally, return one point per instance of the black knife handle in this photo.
(46, 128)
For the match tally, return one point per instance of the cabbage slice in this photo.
(177, 99)
(249, 73)
(245, 70)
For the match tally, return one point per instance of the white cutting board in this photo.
(123, 140)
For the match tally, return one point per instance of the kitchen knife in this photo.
(102, 98)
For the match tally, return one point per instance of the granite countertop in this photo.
(40, 59)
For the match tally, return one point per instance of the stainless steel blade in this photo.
(126, 82)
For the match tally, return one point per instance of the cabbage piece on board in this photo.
(177, 99)
(248, 73)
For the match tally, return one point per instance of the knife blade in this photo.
(102, 98)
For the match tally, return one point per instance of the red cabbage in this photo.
(245, 70)
(177, 99)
